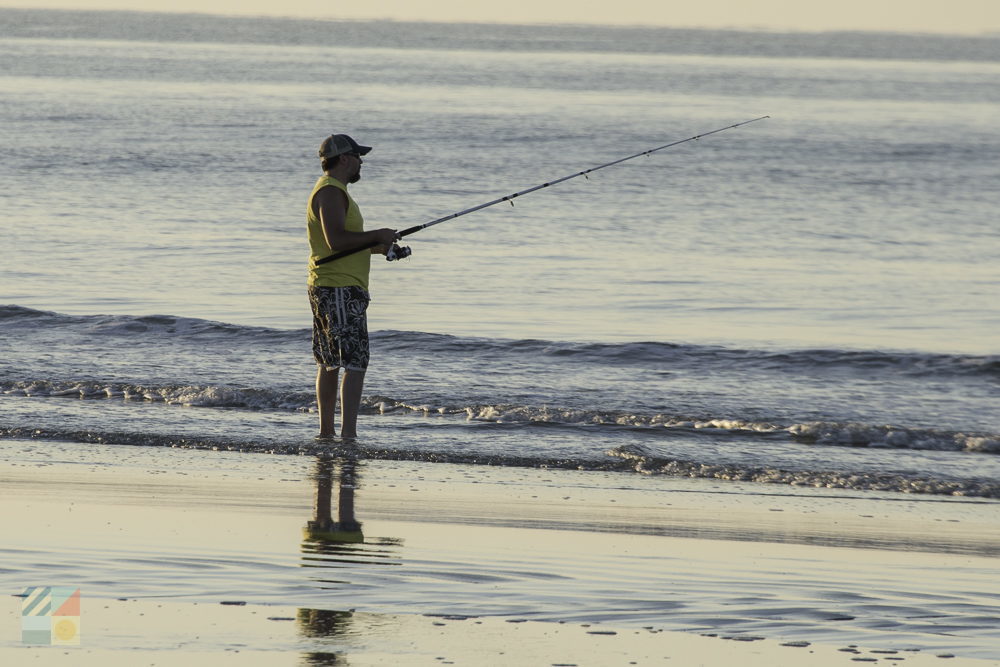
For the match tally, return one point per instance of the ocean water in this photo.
(810, 299)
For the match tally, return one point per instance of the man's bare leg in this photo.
(326, 400)
(350, 401)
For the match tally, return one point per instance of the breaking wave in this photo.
(829, 433)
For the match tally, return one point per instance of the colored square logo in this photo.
(50, 615)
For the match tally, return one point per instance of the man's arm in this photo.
(331, 208)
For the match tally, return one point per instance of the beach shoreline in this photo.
(465, 551)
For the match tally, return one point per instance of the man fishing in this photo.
(338, 282)
(338, 289)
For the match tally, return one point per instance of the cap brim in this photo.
(364, 150)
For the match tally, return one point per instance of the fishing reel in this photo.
(398, 252)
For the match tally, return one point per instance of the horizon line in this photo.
(992, 33)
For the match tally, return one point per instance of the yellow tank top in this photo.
(345, 272)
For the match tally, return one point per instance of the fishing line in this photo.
(399, 252)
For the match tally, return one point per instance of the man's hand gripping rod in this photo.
(399, 252)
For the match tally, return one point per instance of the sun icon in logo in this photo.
(65, 630)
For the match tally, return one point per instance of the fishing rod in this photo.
(399, 252)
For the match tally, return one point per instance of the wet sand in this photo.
(218, 558)
(132, 633)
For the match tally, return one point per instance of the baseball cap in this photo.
(338, 144)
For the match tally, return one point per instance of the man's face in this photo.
(354, 167)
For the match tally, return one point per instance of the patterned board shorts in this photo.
(340, 327)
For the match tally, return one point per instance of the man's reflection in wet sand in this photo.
(329, 542)
(322, 528)
(337, 544)
(324, 624)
